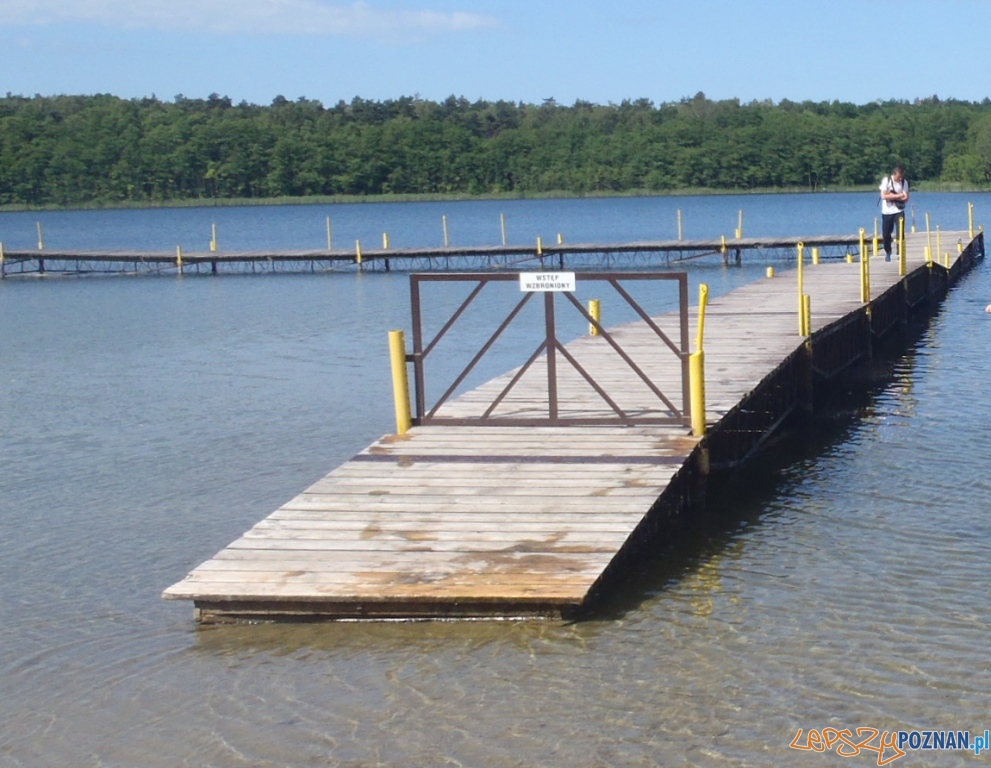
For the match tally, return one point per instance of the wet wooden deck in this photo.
(453, 521)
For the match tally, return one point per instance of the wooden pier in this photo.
(454, 521)
(52, 261)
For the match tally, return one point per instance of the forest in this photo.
(105, 150)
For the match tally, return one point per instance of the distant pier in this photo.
(642, 254)
(510, 500)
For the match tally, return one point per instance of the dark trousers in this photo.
(889, 224)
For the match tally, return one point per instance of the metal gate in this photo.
(668, 412)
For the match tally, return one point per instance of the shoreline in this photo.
(457, 197)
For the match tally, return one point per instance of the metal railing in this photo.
(663, 409)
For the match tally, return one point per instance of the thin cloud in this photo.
(288, 17)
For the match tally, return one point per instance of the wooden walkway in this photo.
(453, 521)
(53, 261)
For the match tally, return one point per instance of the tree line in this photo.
(70, 150)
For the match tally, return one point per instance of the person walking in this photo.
(894, 196)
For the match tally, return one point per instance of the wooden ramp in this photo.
(456, 521)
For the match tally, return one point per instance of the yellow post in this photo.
(864, 287)
(807, 313)
(929, 239)
(703, 303)
(875, 228)
(959, 245)
(874, 246)
(801, 288)
(696, 376)
(849, 258)
(178, 258)
(902, 255)
(400, 381)
(770, 271)
(939, 244)
(970, 219)
(815, 255)
(447, 241)
(385, 241)
(502, 225)
(739, 226)
(679, 225)
(595, 310)
(560, 239)
(723, 246)
(357, 252)
(929, 256)
(696, 369)
(213, 237)
(330, 236)
(946, 260)
(540, 246)
(41, 238)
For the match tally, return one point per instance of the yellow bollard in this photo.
(178, 258)
(357, 252)
(502, 225)
(939, 242)
(723, 246)
(929, 256)
(696, 375)
(385, 241)
(902, 255)
(213, 237)
(400, 381)
(815, 255)
(770, 271)
(801, 288)
(696, 368)
(330, 236)
(540, 246)
(595, 310)
(560, 239)
(703, 303)
(929, 239)
(849, 258)
(447, 241)
(865, 294)
(970, 219)
(807, 314)
(874, 246)
(946, 260)
(41, 238)
(959, 246)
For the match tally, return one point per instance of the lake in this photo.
(147, 422)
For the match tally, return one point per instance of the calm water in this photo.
(474, 222)
(145, 423)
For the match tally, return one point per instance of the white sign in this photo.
(547, 281)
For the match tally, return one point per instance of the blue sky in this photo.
(254, 50)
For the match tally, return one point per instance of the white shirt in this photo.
(888, 184)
